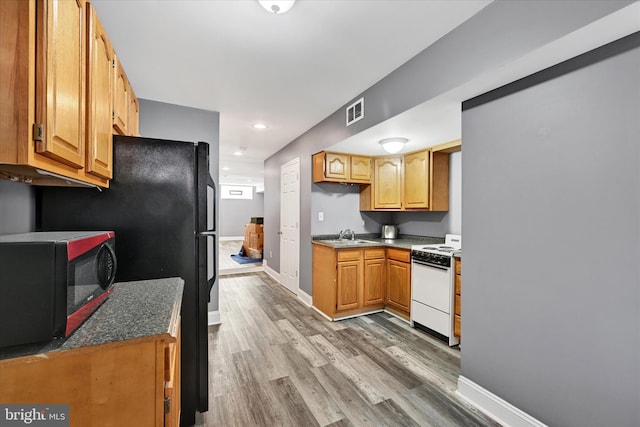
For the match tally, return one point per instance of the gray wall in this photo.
(500, 33)
(551, 195)
(17, 207)
(340, 205)
(235, 213)
(168, 121)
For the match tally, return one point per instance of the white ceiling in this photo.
(293, 70)
(289, 71)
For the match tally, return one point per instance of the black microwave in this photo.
(51, 282)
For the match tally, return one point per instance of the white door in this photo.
(290, 224)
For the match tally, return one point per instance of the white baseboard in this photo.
(322, 314)
(271, 272)
(494, 406)
(213, 318)
(305, 298)
(226, 239)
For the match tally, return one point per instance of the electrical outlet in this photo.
(320, 216)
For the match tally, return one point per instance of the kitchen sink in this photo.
(349, 242)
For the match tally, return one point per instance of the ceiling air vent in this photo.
(355, 111)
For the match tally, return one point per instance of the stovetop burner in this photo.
(452, 243)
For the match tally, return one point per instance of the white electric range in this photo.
(432, 286)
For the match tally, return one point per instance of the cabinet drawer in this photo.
(457, 305)
(374, 253)
(458, 265)
(456, 326)
(399, 254)
(349, 255)
(458, 284)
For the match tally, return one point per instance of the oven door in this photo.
(431, 285)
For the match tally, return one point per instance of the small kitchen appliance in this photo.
(51, 282)
(432, 286)
(389, 232)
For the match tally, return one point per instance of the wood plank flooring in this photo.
(275, 362)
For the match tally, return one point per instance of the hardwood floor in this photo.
(275, 362)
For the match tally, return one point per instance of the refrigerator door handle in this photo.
(210, 282)
(212, 184)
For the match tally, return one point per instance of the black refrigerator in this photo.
(161, 205)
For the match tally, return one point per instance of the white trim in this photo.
(494, 406)
(226, 239)
(213, 318)
(395, 315)
(366, 313)
(322, 314)
(305, 298)
(271, 272)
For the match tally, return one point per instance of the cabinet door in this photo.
(349, 277)
(388, 183)
(60, 81)
(120, 100)
(337, 166)
(416, 180)
(134, 114)
(361, 169)
(399, 285)
(374, 279)
(99, 99)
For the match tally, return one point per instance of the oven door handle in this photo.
(426, 264)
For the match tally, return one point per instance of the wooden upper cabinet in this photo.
(360, 169)
(120, 100)
(340, 167)
(134, 114)
(387, 186)
(56, 88)
(337, 166)
(99, 98)
(416, 180)
(60, 81)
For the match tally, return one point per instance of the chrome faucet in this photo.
(343, 234)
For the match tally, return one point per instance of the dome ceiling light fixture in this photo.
(260, 126)
(277, 7)
(393, 145)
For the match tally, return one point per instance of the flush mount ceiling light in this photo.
(259, 126)
(240, 151)
(277, 7)
(393, 145)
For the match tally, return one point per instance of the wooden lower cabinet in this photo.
(457, 320)
(374, 276)
(399, 281)
(349, 285)
(347, 282)
(124, 383)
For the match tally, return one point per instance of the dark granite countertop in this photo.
(404, 241)
(134, 311)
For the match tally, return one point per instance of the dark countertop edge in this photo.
(404, 241)
(119, 321)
